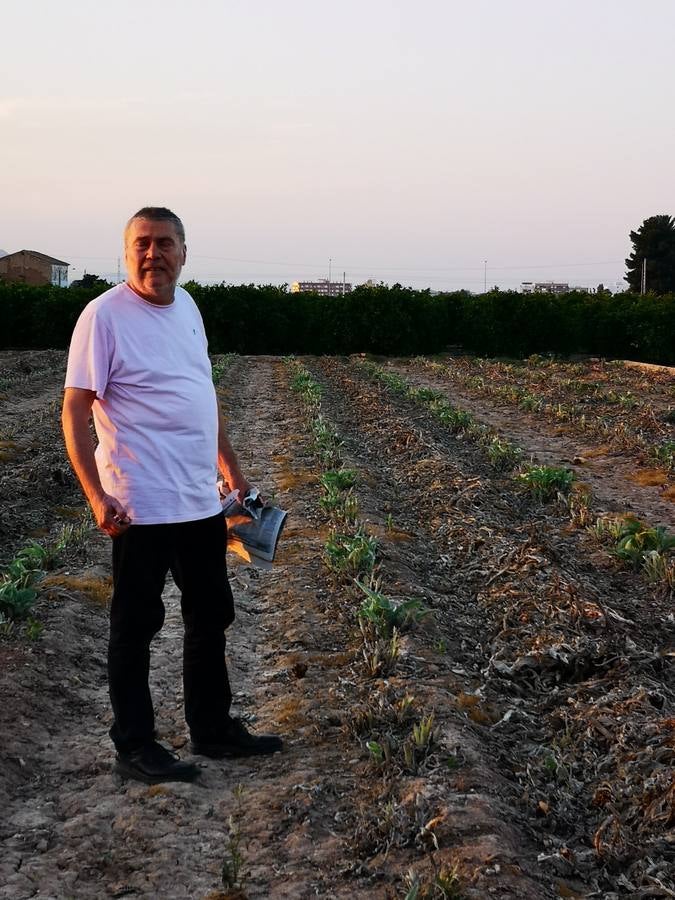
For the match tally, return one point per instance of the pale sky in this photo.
(407, 141)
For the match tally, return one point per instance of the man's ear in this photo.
(184, 253)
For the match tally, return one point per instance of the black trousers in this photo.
(194, 552)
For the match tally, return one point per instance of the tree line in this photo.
(385, 320)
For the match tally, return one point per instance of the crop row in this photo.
(580, 672)
(615, 417)
(400, 737)
(646, 548)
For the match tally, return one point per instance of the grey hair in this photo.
(157, 214)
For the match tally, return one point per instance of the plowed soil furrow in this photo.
(72, 829)
(545, 666)
(508, 570)
(612, 475)
(38, 493)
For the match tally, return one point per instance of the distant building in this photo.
(544, 287)
(323, 286)
(33, 267)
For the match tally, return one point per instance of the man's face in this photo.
(154, 254)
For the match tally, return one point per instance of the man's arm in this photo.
(109, 513)
(227, 461)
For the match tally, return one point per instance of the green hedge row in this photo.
(384, 320)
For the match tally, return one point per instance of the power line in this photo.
(379, 268)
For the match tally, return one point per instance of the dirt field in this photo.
(547, 770)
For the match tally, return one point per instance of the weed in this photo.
(546, 482)
(389, 522)
(96, 588)
(34, 628)
(665, 453)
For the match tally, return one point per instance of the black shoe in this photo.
(237, 741)
(154, 764)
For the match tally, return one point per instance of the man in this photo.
(138, 362)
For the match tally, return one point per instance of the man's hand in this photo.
(110, 515)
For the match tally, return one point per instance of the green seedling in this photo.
(426, 395)
(16, 601)
(331, 499)
(7, 625)
(605, 528)
(351, 554)
(232, 871)
(530, 403)
(657, 569)
(579, 503)
(380, 753)
(219, 368)
(341, 505)
(395, 382)
(386, 616)
(380, 655)
(349, 511)
(423, 733)
(326, 440)
(636, 539)
(338, 479)
(457, 420)
(504, 455)
(30, 558)
(546, 482)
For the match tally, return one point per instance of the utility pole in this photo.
(330, 265)
(643, 278)
(485, 276)
(119, 274)
(344, 279)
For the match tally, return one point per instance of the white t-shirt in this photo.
(155, 412)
